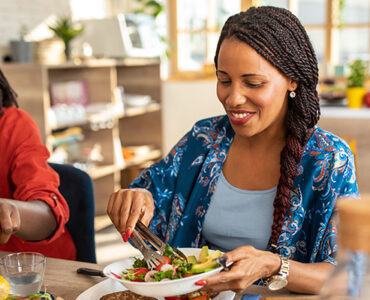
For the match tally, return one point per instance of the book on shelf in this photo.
(68, 92)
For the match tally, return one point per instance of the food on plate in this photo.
(174, 267)
(128, 295)
(206, 261)
(197, 295)
(125, 295)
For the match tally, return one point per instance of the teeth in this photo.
(240, 116)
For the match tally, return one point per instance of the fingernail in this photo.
(200, 282)
(128, 232)
(124, 237)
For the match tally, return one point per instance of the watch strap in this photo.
(284, 267)
(283, 272)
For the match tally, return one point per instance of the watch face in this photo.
(277, 283)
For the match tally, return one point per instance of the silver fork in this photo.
(152, 258)
(155, 241)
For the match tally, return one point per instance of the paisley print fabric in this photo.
(183, 182)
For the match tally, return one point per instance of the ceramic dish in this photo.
(161, 288)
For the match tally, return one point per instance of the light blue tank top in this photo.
(238, 217)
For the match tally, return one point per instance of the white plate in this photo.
(110, 286)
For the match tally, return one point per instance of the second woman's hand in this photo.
(249, 265)
(127, 206)
(9, 219)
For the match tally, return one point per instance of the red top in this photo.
(25, 175)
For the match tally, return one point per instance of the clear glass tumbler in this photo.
(24, 271)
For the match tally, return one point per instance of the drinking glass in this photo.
(24, 271)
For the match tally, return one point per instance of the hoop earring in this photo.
(292, 94)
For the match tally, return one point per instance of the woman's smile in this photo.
(240, 117)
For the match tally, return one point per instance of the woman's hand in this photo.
(249, 265)
(10, 220)
(127, 206)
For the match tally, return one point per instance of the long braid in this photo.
(278, 36)
(8, 96)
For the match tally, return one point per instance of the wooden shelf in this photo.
(136, 111)
(101, 171)
(66, 125)
(136, 126)
(130, 112)
(140, 159)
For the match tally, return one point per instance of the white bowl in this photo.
(161, 288)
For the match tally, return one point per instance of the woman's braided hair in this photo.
(278, 36)
(8, 96)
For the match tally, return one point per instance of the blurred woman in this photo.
(33, 213)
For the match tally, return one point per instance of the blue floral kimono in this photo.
(183, 182)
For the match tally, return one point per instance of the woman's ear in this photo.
(292, 85)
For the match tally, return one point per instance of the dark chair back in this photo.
(76, 187)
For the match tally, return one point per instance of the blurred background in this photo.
(113, 84)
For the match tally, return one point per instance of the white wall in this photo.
(30, 13)
(184, 103)
(37, 14)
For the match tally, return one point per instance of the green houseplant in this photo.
(355, 84)
(150, 7)
(66, 30)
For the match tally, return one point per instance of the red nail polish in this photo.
(124, 237)
(128, 232)
(200, 282)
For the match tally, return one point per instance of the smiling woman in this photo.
(260, 182)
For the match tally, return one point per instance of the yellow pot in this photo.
(355, 96)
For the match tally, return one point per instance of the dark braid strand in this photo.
(8, 96)
(278, 36)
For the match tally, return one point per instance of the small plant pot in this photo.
(355, 97)
(22, 51)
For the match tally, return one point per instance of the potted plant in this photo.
(355, 84)
(66, 30)
(22, 50)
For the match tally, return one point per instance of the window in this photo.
(195, 26)
(339, 30)
(351, 37)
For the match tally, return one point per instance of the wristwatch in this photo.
(280, 280)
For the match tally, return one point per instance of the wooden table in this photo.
(61, 279)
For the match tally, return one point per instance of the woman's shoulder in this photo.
(14, 115)
(213, 124)
(214, 129)
(323, 141)
(15, 121)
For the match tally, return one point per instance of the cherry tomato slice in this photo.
(176, 298)
(140, 271)
(167, 260)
